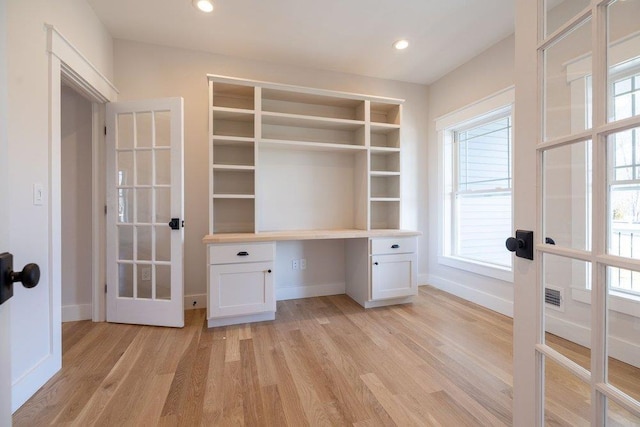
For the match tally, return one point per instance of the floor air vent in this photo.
(553, 297)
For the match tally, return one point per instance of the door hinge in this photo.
(105, 209)
(105, 130)
(105, 288)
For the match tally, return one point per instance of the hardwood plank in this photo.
(323, 361)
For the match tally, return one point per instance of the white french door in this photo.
(577, 131)
(145, 212)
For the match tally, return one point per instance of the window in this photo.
(624, 186)
(477, 176)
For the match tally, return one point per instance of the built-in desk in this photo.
(381, 269)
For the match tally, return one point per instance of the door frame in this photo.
(68, 64)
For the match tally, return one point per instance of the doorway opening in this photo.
(77, 195)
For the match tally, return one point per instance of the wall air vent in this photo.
(554, 298)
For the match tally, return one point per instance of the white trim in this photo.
(98, 241)
(73, 313)
(490, 301)
(200, 301)
(296, 292)
(629, 305)
(235, 320)
(78, 70)
(617, 348)
(64, 60)
(501, 102)
(485, 106)
(497, 272)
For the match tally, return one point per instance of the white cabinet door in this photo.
(393, 276)
(241, 289)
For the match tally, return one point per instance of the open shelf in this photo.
(237, 182)
(385, 161)
(313, 134)
(385, 137)
(385, 187)
(310, 146)
(233, 216)
(284, 101)
(385, 214)
(235, 153)
(296, 120)
(382, 112)
(233, 96)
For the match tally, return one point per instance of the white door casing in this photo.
(65, 61)
(144, 192)
(5, 341)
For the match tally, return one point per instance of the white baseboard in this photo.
(618, 348)
(73, 313)
(200, 301)
(492, 302)
(295, 292)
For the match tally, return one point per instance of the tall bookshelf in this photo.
(286, 157)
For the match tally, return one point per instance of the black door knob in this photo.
(29, 276)
(512, 244)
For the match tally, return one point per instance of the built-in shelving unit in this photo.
(285, 157)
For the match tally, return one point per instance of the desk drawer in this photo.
(393, 245)
(241, 253)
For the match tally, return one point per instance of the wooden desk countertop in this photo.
(269, 236)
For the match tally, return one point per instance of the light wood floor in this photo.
(323, 361)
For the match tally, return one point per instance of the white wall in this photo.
(149, 71)
(484, 75)
(28, 132)
(76, 206)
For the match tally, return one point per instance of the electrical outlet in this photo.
(303, 264)
(295, 264)
(146, 273)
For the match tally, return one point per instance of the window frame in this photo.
(493, 107)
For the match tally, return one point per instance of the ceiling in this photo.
(352, 36)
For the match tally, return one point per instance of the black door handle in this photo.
(174, 223)
(522, 244)
(549, 241)
(29, 276)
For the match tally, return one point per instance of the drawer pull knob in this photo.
(396, 246)
(243, 253)
(375, 263)
(269, 271)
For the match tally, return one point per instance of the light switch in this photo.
(38, 194)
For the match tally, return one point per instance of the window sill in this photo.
(501, 273)
(618, 301)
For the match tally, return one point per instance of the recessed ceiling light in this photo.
(401, 44)
(203, 5)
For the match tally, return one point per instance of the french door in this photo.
(144, 212)
(577, 127)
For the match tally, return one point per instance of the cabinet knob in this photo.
(396, 246)
(243, 253)
(375, 263)
(269, 271)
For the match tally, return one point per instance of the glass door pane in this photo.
(623, 55)
(143, 185)
(559, 12)
(567, 83)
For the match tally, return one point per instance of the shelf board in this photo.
(309, 146)
(233, 168)
(234, 196)
(232, 140)
(383, 128)
(384, 199)
(384, 149)
(234, 114)
(316, 122)
(384, 173)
